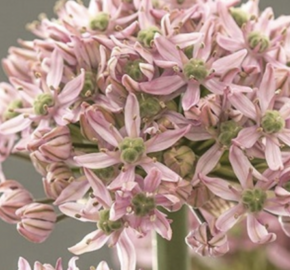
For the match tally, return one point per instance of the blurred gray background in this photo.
(14, 15)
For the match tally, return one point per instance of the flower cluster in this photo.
(132, 109)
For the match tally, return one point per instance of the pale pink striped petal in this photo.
(228, 43)
(267, 89)
(243, 104)
(96, 160)
(161, 225)
(126, 252)
(222, 188)
(215, 85)
(14, 125)
(191, 96)
(224, 64)
(285, 225)
(164, 85)
(258, 232)
(132, 116)
(273, 155)
(126, 175)
(284, 136)
(165, 140)
(23, 264)
(247, 137)
(92, 241)
(54, 75)
(152, 180)
(229, 218)
(103, 266)
(100, 191)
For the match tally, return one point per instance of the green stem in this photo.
(173, 254)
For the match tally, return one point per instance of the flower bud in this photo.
(42, 102)
(180, 160)
(54, 145)
(100, 22)
(272, 122)
(37, 221)
(204, 244)
(195, 69)
(131, 149)
(146, 36)
(258, 39)
(228, 131)
(14, 197)
(149, 106)
(57, 179)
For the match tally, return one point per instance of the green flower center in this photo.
(106, 225)
(142, 204)
(100, 22)
(132, 68)
(239, 15)
(149, 106)
(256, 38)
(228, 131)
(254, 199)
(131, 149)
(10, 113)
(146, 36)
(89, 87)
(42, 102)
(272, 122)
(195, 69)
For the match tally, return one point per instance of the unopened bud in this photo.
(131, 149)
(37, 221)
(149, 106)
(54, 145)
(14, 196)
(57, 179)
(228, 131)
(180, 160)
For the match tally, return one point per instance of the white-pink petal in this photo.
(132, 116)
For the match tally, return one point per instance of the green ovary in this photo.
(131, 149)
(132, 68)
(239, 15)
(100, 22)
(256, 38)
(106, 225)
(195, 69)
(254, 199)
(228, 131)
(272, 122)
(10, 113)
(149, 106)
(142, 205)
(42, 102)
(146, 36)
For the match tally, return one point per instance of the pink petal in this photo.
(103, 266)
(258, 232)
(222, 188)
(126, 175)
(285, 225)
(164, 85)
(273, 155)
(215, 85)
(132, 116)
(228, 43)
(191, 96)
(247, 137)
(23, 264)
(72, 89)
(165, 140)
(74, 191)
(14, 125)
(162, 226)
(100, 191)
(92, 241)
(267, 89)
(234, 60)
(54, 75)
(229, 218)
(126, 252)
(152, 180)
(96, 160)
(168, 50)
(284, 136)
